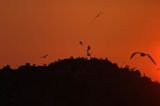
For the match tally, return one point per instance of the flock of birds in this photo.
(142, 54)
(88, 51)
(81, 43)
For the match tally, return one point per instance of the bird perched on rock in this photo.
(143, 54)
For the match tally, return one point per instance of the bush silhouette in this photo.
(77, 82)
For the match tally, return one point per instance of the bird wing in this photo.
(151, 59)
(98, 15)
(89, 47)
(133, 54)
(81, 42)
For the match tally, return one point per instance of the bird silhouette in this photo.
(88, 48)
(80, 43)
(143, 54)
(89, 54)
(45, 56)
(98, 15)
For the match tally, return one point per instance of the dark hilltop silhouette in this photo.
(77, 82)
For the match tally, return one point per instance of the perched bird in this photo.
(45, 56)
(143, 54)
(80, 43)
(98, 15)
(88, 48)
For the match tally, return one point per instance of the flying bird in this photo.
(98, 15)
(45, 56)
(88, 48)
(80, 43)
(143, 54)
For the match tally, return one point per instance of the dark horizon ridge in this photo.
(77, 82)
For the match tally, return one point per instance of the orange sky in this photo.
(32, 28)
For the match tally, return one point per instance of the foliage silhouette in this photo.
(77, 82)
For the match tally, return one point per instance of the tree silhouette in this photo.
(77, 82)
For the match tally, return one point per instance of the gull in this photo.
(88, 48)
(143, 54)
(98, 15)
(80, 43)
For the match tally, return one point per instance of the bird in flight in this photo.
(88, 48)
(45, 56)
(143, 54)
(98, 15)
(80, 43)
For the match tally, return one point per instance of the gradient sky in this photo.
(30, 29)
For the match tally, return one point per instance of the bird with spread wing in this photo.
(98, 15)
(143, 54)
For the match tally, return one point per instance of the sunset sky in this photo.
(30, 29)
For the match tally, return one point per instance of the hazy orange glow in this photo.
(32, 28)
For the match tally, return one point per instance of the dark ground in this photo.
(77, 82)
